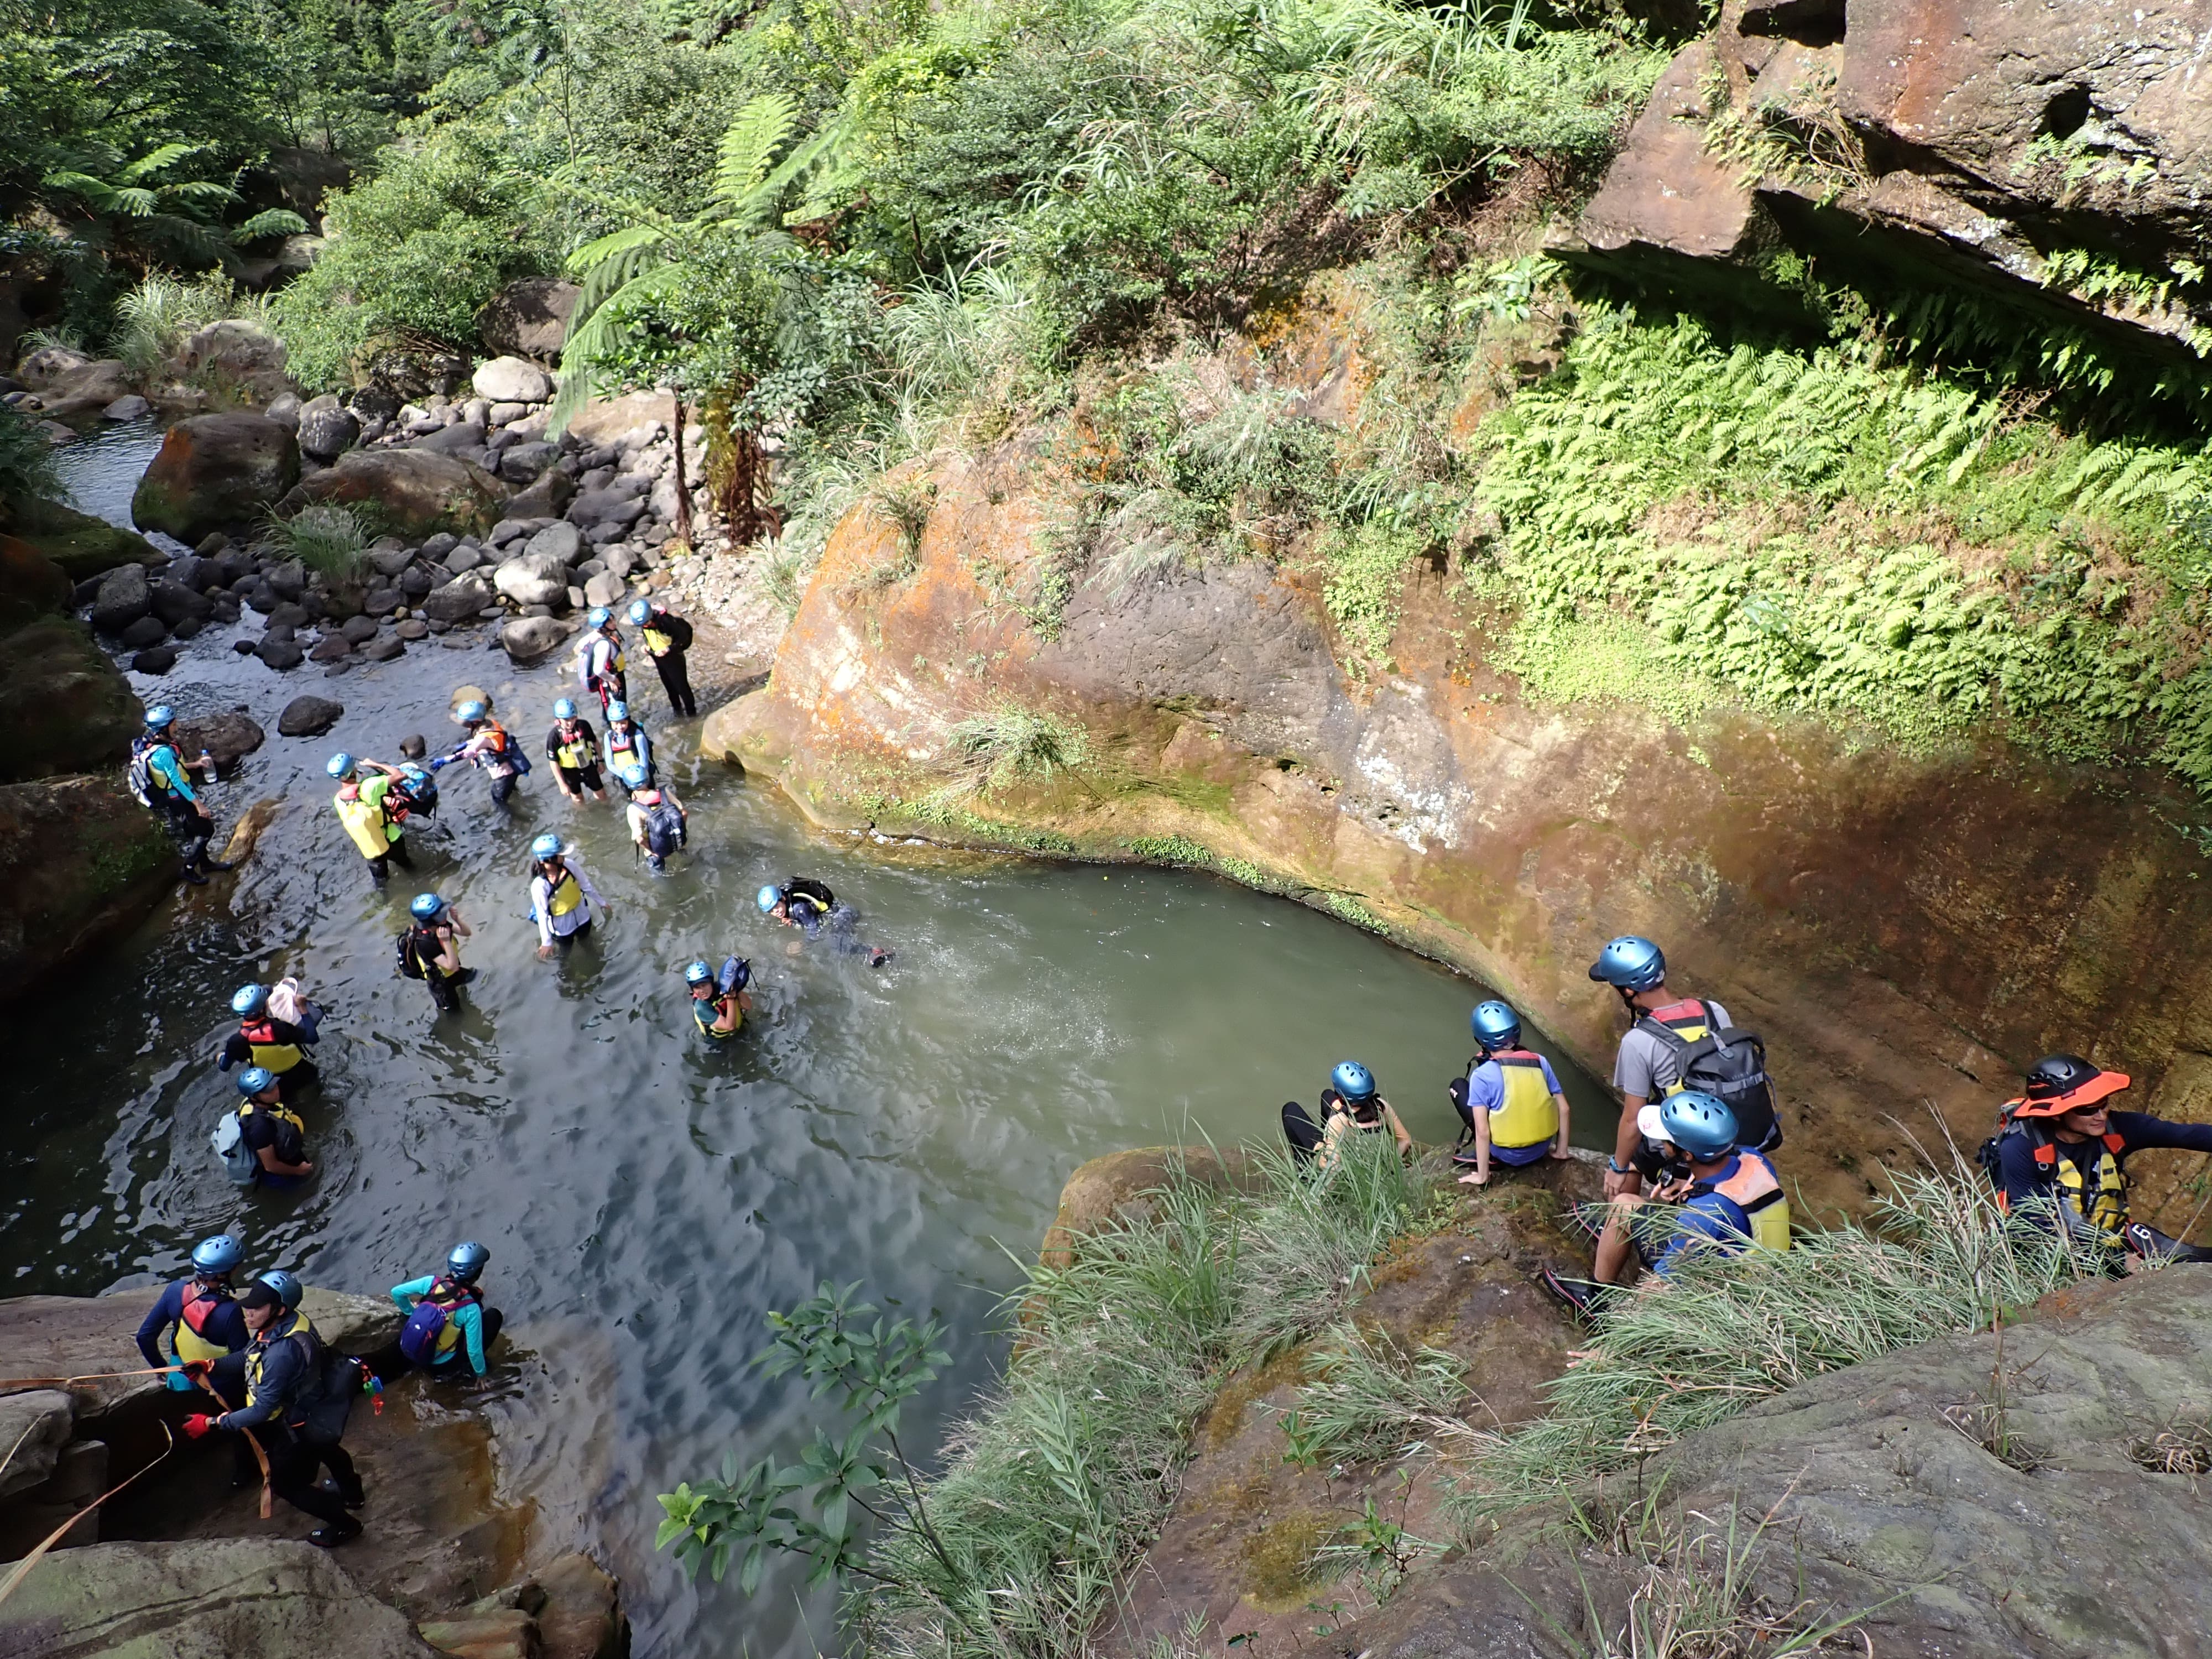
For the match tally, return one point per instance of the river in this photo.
(646, 1199)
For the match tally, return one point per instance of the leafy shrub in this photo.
(27, 459)
(325, 536)
(413, 255)
(154, 319)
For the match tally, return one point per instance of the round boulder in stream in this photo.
(528, 638)
(124, 596)
(228, 737)
(281, 653)
(213, 470)
(309, 717)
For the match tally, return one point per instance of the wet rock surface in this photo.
(309, 717)
(215, 470)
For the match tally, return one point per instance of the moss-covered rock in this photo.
(214, 472)
(80, 861)
(82, 545)
(63, 703)
(413, 494)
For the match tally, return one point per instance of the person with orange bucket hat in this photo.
(2062, 1145)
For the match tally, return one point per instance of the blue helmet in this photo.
(547, 846)
(339, 765)
(1353, 1080)
(698, 974)
(465, 1260)
(1630, 964)
(426, 907)
(470, 713)
(639, 613)
(287, 1288)
(565, 709)
(160, 717)
(634, 776)
(768, 898)
(1495, 1025)
(219, 1254)
(256, 1080)
(598, 616)
(618, 710)
(248, 1001)
(1702, 1125)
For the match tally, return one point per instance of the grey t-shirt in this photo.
(1645, 1066)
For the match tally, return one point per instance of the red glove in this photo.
(197, 1425)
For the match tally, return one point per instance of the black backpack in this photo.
(664, 829)
(1729, 1065)
(410, 964)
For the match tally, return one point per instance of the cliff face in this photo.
(1906, 931)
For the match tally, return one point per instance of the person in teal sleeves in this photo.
(446, 1318)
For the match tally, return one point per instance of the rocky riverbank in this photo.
(181, 1558)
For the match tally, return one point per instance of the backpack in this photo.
(410, 964)
(1731, 1065)
(664, 829)
(418, 1337)
(237, 1158)
(145, 789)
(737, 974)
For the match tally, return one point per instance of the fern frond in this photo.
(271, 221)
(615, 244)
(154, 161)
(203, 189)
(97, 191)
(135, 201)
(753, 138)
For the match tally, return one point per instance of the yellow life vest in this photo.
(268, 1053)
(566, 895)
(705, 1010)
(279, 1111)
(284, 1329)
(1526, 1117)
(1757, 1191)
(365, 822)
(2100, 1199)
(656, 641)
(200, 1302)
(574, 751)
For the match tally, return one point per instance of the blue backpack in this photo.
(426, 1326)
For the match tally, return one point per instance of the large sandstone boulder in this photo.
(80, 861)
(237, 363)
(548, 498)
(512, 381)
(533, 579)
(526, 639)
(217, 1599)
(214, 472)
(81, 393)
(62, 704)
(228, 736)
(460, 599)
(418, 492)
(528, 317)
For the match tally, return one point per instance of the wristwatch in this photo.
(1614, 1164)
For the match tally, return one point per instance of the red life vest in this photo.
(200, 1303)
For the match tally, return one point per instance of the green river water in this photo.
(646, 1199)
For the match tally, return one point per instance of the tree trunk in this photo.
(683, 483)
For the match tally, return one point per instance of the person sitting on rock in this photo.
(277, 1045)
(809, 905)
(627, 746)
(1720, 1197)
(1351, 1106)
(667, 637)
(161, 781)
(1662, 1025)
(197, 1315)
(448, 1321)
(574, 748)
(657, 823)
(364, 806)
(487, 748)
(297, 1399)
(2061, 1153)
(1510, 1100)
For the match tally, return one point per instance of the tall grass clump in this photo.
(1938, 1259)
(27, 459)
(153, 321)
(325, 537)
(1010, 743)
(1064, 1472)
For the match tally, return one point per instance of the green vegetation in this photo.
(1010, 744)
(1067, 1470)
(325, 536)
(27, 459)
(1729, 1331)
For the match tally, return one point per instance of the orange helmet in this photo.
(2059, 1084)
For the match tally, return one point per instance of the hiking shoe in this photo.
(195, 878)
(353, 1499)
(1581, 1298)
(1586, 1219)
(329, 1538)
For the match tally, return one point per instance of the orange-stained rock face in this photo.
(1904, 932)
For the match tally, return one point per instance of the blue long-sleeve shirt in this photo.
(467, 1318)
(169, 769)
(225, 1325)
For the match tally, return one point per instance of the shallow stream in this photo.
(646, 1199)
